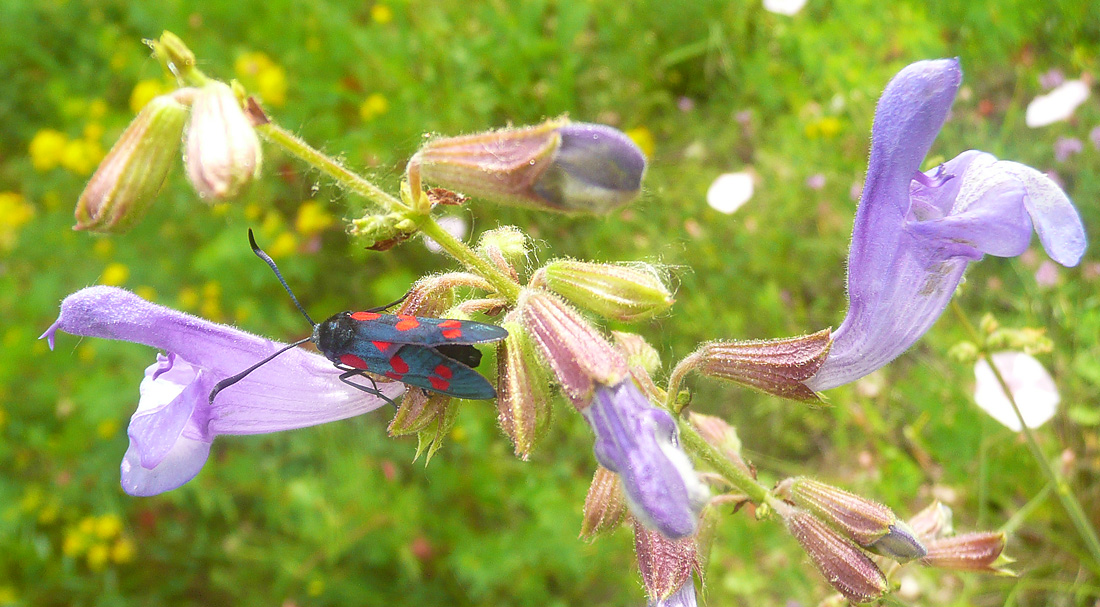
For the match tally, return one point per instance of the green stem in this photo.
(694, 443)
(329, 166)
(503, 283)
(1061, 487)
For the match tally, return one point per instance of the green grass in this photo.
(340, 514)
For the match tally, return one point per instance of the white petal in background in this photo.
(729, 192)
(1056, 105)
(1030, 384)
(455, 226)
(784, 7)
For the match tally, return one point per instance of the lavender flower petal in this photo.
(639, 443)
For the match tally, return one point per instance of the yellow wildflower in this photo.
(312, 219)
(374, 106)
(46, 148)
(48, 514)
(188, 298)
(825, 128)
(87, 525)
(106, 428)
(253, 211)
(103, 248)
(123, 551)
(381, 14)
(93, 131)
(15, 212)
(97, 109)
(644, 138)
(81, 155)
(115, 274)
(145, 91)
(146, 292)
(285, 244)
(257, 70)
(97, 556)
(108, 526)
(74, 543)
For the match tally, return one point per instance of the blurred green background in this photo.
(340, 514)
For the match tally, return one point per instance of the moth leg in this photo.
(349, 373)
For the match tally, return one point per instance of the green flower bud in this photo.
(505, 247)
(638, 351)
(867, 523)
(128, 179)
(382, 232)
(555, 166)
(847, 569)
(723, 437)
(775, 366)
(604, 505)
(223, 153)
(418, 409)
(523, 400)
(625, 292)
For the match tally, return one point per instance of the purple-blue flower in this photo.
(639, 442)
(171, 431)
(684, 597)
(916, 232)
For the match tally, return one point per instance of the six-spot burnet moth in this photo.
(434, 354)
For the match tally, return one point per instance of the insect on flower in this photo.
(434, 354)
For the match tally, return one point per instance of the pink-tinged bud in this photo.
(665, 564)
(775, 366)
(523, 399)
(969, 552)
(555, 166)
(624, 292)
(847, 569)
(723, 437)
(128, 179)
(867, 523)
(579, 356)
(505, 247)
(638, 351)
(604, 506)
(223, 153)
(933, 522)
(417, 411)
(433, 295)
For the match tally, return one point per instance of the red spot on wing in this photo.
(392, 375)
(439, 384)
(443, 371)
(399, 365)
(452, 333)
(382, 345)
(352, 360)
(451, 323)
(366, 316)
(406, 323)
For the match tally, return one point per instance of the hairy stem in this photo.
(700, 448)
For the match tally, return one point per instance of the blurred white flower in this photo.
(729, 192)
(1031, 386)
(784, 7)
(455, 226)
(1056, 105)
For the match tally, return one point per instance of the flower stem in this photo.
(706, 452)
(296, 146)
(1061, 487)
(503, 284)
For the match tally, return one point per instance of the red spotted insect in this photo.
(434, 354)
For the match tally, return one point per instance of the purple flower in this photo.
(1064, 147)
(639, 442)
(684, 597)
(915, 232)
(171, 431)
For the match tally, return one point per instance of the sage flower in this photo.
(175, 422)
(916, 232)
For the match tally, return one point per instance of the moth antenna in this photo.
(229, 381)
(271, 262)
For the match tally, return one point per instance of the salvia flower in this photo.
(666, 565)
(779, 367)
(616, 291)
(916, 232)
(175, 423)
(847, 568)
(640, 443)
(223, 152)
(130, 175)
(556, 166)
(867, 523)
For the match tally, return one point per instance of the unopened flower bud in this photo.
(969, 552)
(173, 53)
(723, 437)
(638, 351)
(418, 409)
(579, 356)
(933, 522)
(847, 569)
(223, 153)
(625, 292)
(557, 165)
(430, 438)
(523, 399)
(127, 181)
(775, 366)
(505, 247)
(867, 523)
(382, 232)
(665, 564)
(604, 506)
